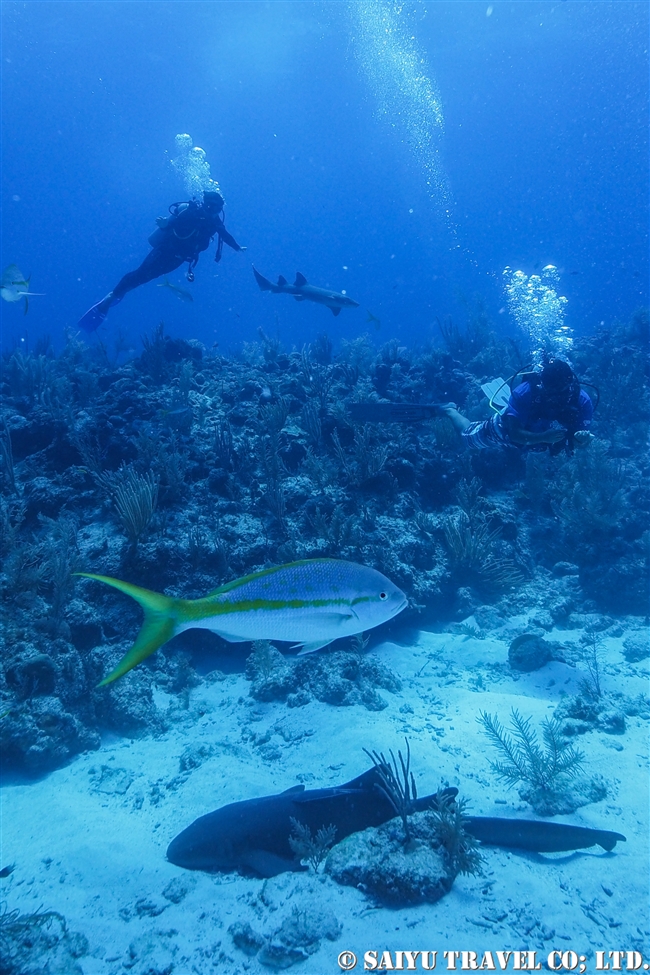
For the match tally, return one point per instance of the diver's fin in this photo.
(264, 283)
(158, 627)
(497, 392)
(394, 412)
(300, 281)
(282, 281)
(335, 311)
(94, 317)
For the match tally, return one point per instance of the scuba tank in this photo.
(165, 224)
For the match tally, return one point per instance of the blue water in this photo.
(543, 158)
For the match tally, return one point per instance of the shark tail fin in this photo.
(264, 283)
(158, 627)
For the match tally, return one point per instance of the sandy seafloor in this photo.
(89, 840)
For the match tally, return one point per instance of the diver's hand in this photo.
(554, 435)
(582, 438)
(162, 221)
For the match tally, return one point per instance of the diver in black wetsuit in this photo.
(179, 238)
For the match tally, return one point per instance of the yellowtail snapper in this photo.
(311, 602)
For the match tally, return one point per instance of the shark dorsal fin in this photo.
(294, 790)
(300, 281)
(282, 281)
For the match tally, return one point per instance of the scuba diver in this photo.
(547, 411)
(179, 238)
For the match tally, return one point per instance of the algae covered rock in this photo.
(298, 936)
(380, 863)
(40, 735)
(530, 652)
(339, 678)
(39, 944)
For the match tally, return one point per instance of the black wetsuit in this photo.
(188, 233)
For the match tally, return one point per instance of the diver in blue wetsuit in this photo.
(179, 238)
(548, 411)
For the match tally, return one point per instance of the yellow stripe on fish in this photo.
(311, 602)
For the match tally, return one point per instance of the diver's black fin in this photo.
(300, 281)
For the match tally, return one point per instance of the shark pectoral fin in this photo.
(267, 864)
(300, 281)
(335, 311)
(230, 637)
(311, 647)
(158, 627)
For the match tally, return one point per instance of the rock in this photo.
(529, 652)
(178, 888)
(298, 937)
(565, 799)
(378, 862)
(488, 618)
(112, 781)
(636, 647)
(31, 675)
(41, 735)
(245, 938)
(338, 678)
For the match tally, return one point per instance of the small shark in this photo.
(14, 286)
(253, 836)
(303, 291)
(179, 292)
(376, 322)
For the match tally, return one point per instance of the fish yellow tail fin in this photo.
(158, 627)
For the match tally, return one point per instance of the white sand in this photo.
(98, 857)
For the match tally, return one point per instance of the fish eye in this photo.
(383, 595)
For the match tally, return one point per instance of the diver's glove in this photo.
(162, 222)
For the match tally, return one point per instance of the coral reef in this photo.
(39, 944)
(181, 469)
